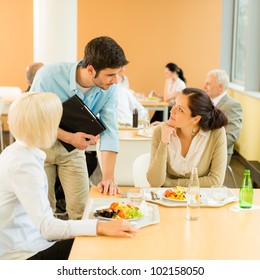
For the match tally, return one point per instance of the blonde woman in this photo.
(28, 229)
(193, 136)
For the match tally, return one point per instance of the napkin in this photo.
(236, 208)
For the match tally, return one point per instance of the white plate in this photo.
(150, 211)
(172, 199)
(110, 219)
(153, 100)
(146, 134)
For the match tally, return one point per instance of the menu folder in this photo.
(77, 117)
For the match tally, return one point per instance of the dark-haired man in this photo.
(94, 80)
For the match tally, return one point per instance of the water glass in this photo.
(135, 196)
(218, 193)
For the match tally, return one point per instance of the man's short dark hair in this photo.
(103, 52)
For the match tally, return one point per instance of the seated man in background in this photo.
(127, 102)
(31, 70)
(122, 78)
(216, 85)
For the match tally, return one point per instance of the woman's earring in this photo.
(193, 131)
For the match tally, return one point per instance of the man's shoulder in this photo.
(56, 67)
(227, 102)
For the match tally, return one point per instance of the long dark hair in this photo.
(201, 105)
(174, 68)
(103, 52)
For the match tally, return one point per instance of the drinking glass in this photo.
(218, 192)
(135, 196)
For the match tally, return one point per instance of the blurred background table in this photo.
(157, 106)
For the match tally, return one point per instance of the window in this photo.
(240, 44)
(239, 41)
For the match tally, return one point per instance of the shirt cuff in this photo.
(85, 227)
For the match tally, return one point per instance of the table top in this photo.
(219, 234)
(155, 104)
(126, 134)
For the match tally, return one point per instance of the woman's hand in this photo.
(167, 132)
(117, 228)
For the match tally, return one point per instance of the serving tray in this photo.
(150, 211)
(206, 198)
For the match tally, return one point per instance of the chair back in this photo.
(1, 105)
(9, 92)
(140, 167)
(1, 124)
(129, 150)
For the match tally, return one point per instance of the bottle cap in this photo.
(247, 172)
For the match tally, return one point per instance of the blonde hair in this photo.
(34, 118)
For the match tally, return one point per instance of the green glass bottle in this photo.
(246, 195)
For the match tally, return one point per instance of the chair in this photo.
(9, 94)
(1, 124)
(229, 168)
(129, 150)
(140, 167)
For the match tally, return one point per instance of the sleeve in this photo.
(234, 116)
(218, 162)
(28, 183)
(108, 115)
(134, 103)
(156, 173)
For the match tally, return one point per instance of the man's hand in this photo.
(108, 187)
(81, 140)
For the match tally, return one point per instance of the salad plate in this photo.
(150, 211)
(116, 217)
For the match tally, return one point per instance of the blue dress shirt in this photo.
(60, 78)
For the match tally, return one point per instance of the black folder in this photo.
(77, 117)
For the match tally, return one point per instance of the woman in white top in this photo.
(28, 229)
(175, 83)
(194, 136)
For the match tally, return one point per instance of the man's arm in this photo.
(234, 116)
(78, 139)
(107, 185)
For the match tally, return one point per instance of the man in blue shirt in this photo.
(94, 80)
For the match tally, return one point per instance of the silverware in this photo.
(154, 196)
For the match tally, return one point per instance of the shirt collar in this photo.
(73, 84)
(37, 152)
(217, 99)
(203, 133)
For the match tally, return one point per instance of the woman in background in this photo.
(28, 229)
(194, 136)
(174, 84)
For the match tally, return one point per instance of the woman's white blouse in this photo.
(182, 165)
(27, 225)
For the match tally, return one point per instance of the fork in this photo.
(154, 196)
